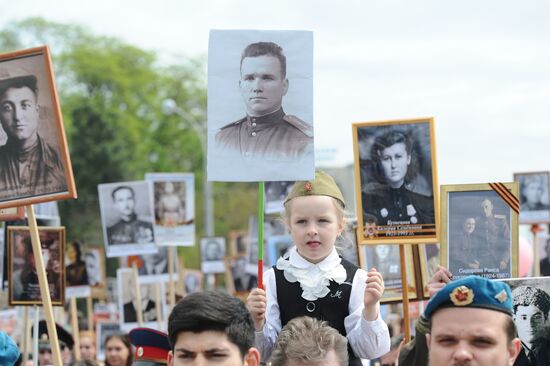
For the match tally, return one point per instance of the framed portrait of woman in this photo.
(479, 229)
(396, 181)
(385, 258)
(534, 189)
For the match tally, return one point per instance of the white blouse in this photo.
(368, 339)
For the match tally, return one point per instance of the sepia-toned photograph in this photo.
(34, 159)
(76, 272)
(127, 218)
(275, 195)
(174, 206)
(531, 308)
(533, 197)
(396, 181)
(260, 105)
(213, 255)
(23, 285)
(479, 230)
(128, 300)
(385, 258)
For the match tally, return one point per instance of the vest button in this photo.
(310, 307)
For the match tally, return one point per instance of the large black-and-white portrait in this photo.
(479, 233)
(213, 255)
(533, 197)
(127, 218)
(260, 105)
(396, 181)
(34, 159)
(174, 205)
(531, 307)
(128, 299)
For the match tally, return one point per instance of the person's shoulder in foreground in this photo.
(306, 340)
(211, 327)
(471, 324)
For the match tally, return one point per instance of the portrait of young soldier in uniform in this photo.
(396, 181)
(264, 133)
(127, 217)
(33, 161)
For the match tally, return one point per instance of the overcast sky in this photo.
(480, 68)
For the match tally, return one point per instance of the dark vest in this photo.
(332, 308)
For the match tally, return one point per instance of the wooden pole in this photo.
(158, 305)
(74, 326)
(139, 311)
(35, 335)
(172, 255)
(405, 287)
(261, 188)
(44, 289)
(229, 283)
(182, 277)
(90, 311)
(25, 341)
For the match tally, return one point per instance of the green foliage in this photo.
(112, 96)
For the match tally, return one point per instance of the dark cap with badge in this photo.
(65, 338)
(16, 77)
(472, 292)
(322, 185)
(152, 347)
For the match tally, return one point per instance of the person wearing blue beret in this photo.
(471, 324)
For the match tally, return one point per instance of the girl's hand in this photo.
(256, 303)
(373, 294)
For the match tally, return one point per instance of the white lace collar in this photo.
(314, 279)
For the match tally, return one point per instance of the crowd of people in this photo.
(316, 308)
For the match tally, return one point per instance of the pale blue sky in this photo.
(481, 68)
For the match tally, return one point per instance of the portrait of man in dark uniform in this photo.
(260, 106)
(266, 131)
(29, 165)
(129, 229)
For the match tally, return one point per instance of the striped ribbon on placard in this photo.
(506, 195)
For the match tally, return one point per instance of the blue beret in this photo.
(474, 292)
(9, 353)
(151, 345)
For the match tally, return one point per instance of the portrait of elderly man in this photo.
(29, 165)
(266, 131)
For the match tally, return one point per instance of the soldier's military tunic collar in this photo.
(258, 124)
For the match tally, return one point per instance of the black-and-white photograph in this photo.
(128, 300)
(260, 105)
(95, 265)
(76, 273)
(155, 265)
(480, 236)
(24, 288)
(192, 280)
(396, 181)
(533, 197)
(531, 307)
(174, 206)
(104, 330)
(385, 258)
(346, 244)
(213, 255)
(429, 262)
(34, 159)
(238, 241)
(127, 218)
(275, 194)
